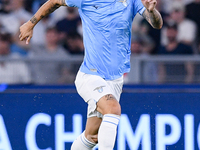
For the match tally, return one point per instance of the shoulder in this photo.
(14, 56)
(62, 52)
(184, 45)
(162, 50)
(186, 49)
(188, 22)
(36, 49)
(73, 3)
(190, 5)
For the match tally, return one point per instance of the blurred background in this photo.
(39, 105)
(169, 55)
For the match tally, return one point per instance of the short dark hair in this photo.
(5, 37)
(172, 26)
(74, 35)
(51, 29)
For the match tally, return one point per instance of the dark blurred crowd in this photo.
(59, 35)
(180, 35)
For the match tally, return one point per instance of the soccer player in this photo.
(106, 35)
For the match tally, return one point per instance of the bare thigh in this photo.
(108, 105)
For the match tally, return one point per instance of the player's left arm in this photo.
(151, 14)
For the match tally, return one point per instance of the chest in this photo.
(108, 11)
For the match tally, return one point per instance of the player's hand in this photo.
(149, 4)
(26, 32)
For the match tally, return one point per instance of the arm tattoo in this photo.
(47, 9)
(62, 2)
(109, 97)
(33, 20)
(52, 8)
(154, 18)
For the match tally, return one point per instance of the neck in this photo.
(172, 45)
(71, 16)
(18, 7)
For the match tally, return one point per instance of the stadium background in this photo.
(50, 117)
(39, 106)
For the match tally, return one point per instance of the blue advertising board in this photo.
(50, 118)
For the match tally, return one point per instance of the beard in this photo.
(171, 39)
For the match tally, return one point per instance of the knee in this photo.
(113, 108)
(109, 105)
(92, 138)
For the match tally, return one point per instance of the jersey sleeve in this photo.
(138, 7)
(73, 3)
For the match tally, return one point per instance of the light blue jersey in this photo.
(107, 35)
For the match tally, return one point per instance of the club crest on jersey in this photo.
(99, 89)
(124, 2)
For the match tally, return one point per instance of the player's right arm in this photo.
(26, 30)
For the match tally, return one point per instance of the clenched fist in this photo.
(149, 4)
(26, 32)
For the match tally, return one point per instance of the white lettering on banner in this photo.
(140, 136)
(31, 127)
(4, 140)
(61, 136)
(189, 132)
(142, 133)
(161, 138)
(198, 136)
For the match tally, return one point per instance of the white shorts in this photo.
(92, 87)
